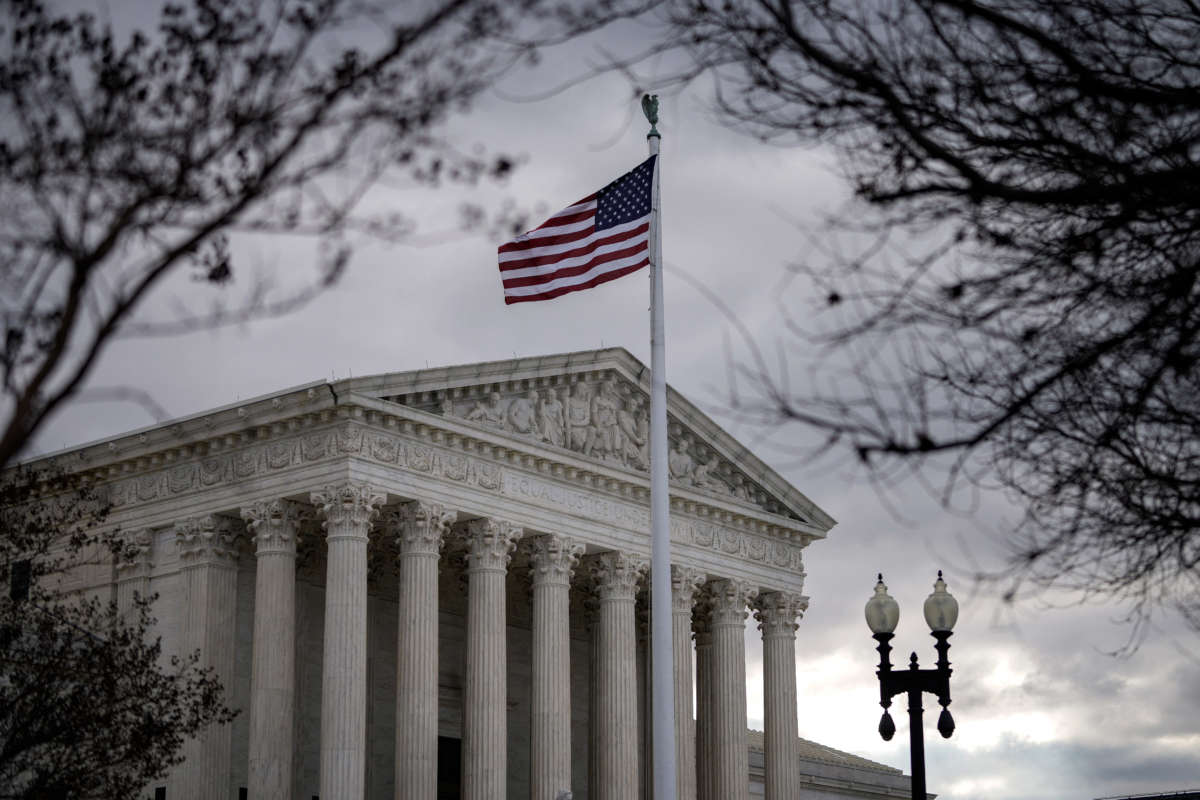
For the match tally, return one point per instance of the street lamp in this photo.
(883, 614)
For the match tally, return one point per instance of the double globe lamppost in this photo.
(941, 612)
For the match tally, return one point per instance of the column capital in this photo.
(685, 581)
(729, 598)
(348, 505)
(777, 612)
(490, 543)
(419, 527)
(274, 525)
(136, 557)
(207, 539)
(552, 559)
(616, 575)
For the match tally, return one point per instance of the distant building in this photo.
(829, 774)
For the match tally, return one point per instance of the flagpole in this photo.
(661, 653)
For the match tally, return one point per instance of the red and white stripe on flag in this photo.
(598, 239)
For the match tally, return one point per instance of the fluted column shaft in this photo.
(274, 526)
(133, 571)
(731, 765)
(704, 709)
(419, 529)
(485, 713)
(348, 510)
(552, 560)
(684, 583)
(208, 562)
(776, 613)
(616, 578)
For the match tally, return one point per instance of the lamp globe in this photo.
(941, 609)
(882, 612)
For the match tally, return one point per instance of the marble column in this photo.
(419, 529)
(133, 570)
(275, 528)
(552, 560)
(208, 568)
(348, 509)
(684, 583)
(616, 577)
(776, 613)
(485, 696)
(729, 744)
(702, 631)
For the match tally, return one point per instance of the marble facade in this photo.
(392, 570)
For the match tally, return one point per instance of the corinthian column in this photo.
(485, 714)
(133, 570)
(348, 509)
(616, 577)
(684, 582)
(274, 524)
(419, 529)
(552, 560)
(730, 756)
(208, 565)
(776, 613)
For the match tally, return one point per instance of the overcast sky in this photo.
(1042, 711)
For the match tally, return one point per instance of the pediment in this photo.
(595, 404)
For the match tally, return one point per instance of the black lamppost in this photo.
(941, 612)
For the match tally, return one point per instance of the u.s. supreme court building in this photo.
(432, 584)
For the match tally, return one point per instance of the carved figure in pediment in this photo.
(522, 414)
(643, 429)
(579, 418)
(680, 463)
(447, 405)
(705, 476)
(634, 447)
(605, 431)
(552, 419)
(489, 413)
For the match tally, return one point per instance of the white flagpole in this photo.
(661, 652)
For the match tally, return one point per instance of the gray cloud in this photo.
(730, 206)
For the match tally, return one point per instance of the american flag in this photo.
(600, 238)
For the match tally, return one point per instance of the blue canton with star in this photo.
(627, 198)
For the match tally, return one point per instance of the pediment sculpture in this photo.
(605, 418)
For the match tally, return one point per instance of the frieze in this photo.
(452, 465)
(148, 486)
(386, 449)
(487, 476)
(420, 458)
(315, 445)
(280, 454)
(212, 471)
(245, 463)
(349, 439)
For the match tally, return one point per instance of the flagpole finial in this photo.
(650, 109)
